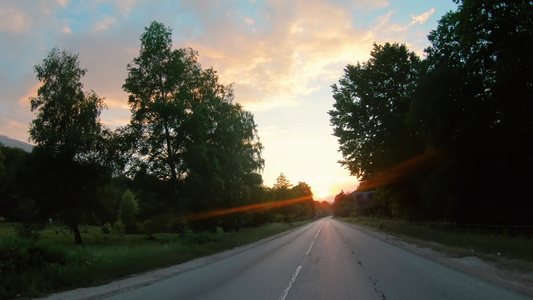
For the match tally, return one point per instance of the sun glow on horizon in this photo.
(322, 193)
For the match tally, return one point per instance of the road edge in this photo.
(474, 266)
(138, 280)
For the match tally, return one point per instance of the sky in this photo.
(281, 57)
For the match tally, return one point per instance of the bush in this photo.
(29, 230)
(157, 224)
(119, 228)
(106, 228)
(128, 211)
(24, 256)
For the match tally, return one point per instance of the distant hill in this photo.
(4, 140)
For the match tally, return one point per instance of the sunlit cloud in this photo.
(421, 19)
(24, 101)
(249, 21)
(275, 67)
(62, 3)
(122, 7)
(104, 24)
(115, 122)
(406, 33)
(281, 56)
(384, 20)
(13, 20)
(383, 23)
(368, 5)
(66, 30)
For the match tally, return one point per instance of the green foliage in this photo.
(323, 209)
(127, 213)
(54, 263)
(68, 136)
(303, 208)
(448, 137)
(29, 230)
(2, 159)
(106, 228)
(67, 122)
(159, 224)
(188, 149)
(370, 107)
(185, 131)
(119, 228)
(344, 205)
(14, 184)
(282, 183)
(19, 256)
(473, 102)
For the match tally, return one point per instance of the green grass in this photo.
(53, 263)
(502, 248)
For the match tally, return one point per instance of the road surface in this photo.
(326, 259)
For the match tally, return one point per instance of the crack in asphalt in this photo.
(377, 288)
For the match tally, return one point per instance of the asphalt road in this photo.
(326, 259)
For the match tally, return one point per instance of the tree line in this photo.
(188, 148)
(447, 137)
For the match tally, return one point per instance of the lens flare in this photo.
(258, 207)
(402, 171)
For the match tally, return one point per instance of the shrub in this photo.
(128, 211)
(119, 227)
(106, 228)
(29, 230)
(157, 224)
(22, 262)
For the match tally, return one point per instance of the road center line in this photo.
(293, 278)
(310, 247)
(288, 288)
(318, 232)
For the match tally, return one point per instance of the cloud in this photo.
(274, 61)
(421, 19)
(383, 23)
(24, 101)
(275, 52)
(66, 29)
(104, 24)
(409, 32)
(13, 20)
(249, 21)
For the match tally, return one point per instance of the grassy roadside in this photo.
(511, 252)
(54, 263)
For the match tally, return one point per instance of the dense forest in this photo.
(447, 137)
(188, 149)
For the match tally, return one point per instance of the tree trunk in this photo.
(73, 224)
(174, 179)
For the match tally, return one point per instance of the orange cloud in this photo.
(31, 91)
(303, 41)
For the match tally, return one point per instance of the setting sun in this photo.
(321, 193)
